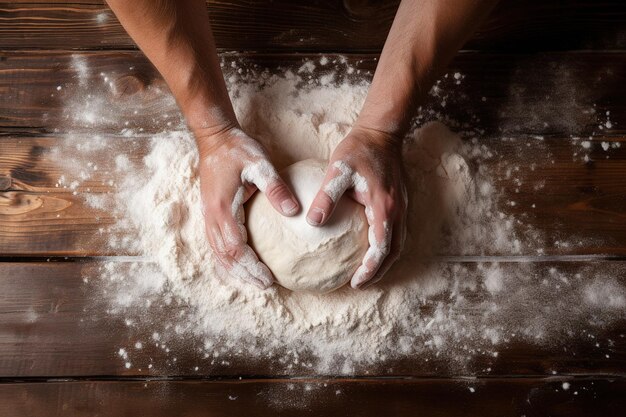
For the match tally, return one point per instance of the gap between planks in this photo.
(441, 258)
(243, 379)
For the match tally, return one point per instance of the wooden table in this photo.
(553, 59)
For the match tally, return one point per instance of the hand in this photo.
(232, 167)
(369, 164)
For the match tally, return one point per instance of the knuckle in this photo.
(276, 190)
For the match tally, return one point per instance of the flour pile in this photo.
(446, 312)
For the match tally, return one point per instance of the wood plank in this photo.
(54, 324)
(326, 25)
(558, 93)
(49, 224)
(576, 207)
(485, 398)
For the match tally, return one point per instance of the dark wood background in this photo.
(65, 362)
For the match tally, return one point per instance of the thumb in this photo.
(281, 197)
(263, 174)
(335, 184)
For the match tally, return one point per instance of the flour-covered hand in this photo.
(368, 164)
(232, 167)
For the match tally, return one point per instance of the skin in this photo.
(176, 36)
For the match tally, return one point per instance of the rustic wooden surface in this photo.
(583, 203)
(58, 344)
(45, 308)
(323, 25)
(541, 94)
(364, 397)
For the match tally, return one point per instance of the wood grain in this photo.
(499, 94)
(439, 397)
(47, 224)
(54, 322)
(576, 207)
(54, 319)
(325, 26)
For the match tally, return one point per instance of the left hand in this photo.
(369, 164)
(232, 167)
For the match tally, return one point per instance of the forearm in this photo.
(175, 35)
(424, 37)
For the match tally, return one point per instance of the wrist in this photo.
(209, 123)
(392, 100)
(373, 136)
(204, 114)
(212, 137)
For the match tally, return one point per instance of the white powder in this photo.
(122, 163)
(101, 18)
(604, 291)
(423, 309)
(80, 66)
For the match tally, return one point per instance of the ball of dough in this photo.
(303, 257)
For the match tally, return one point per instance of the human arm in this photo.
(423, 38)
(176, 37)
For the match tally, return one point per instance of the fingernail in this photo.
(288, 206)
(315, 217)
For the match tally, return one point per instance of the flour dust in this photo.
(427, 309)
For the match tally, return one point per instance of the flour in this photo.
(345, 179)
(424, 308)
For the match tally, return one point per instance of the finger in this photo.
(263, 174)
(379, 237)
(242, 260)
(242, 195)
(237, 258)
(249, 268)
(249, 190)
(245, 263)
(281, 198)
(217, 245)
(219, 249)
(398, 238)
(338, 178)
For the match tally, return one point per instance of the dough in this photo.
(303, 257)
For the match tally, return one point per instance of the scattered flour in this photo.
(425, 307)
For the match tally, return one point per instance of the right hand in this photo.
(232, 167)
(368, 162)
